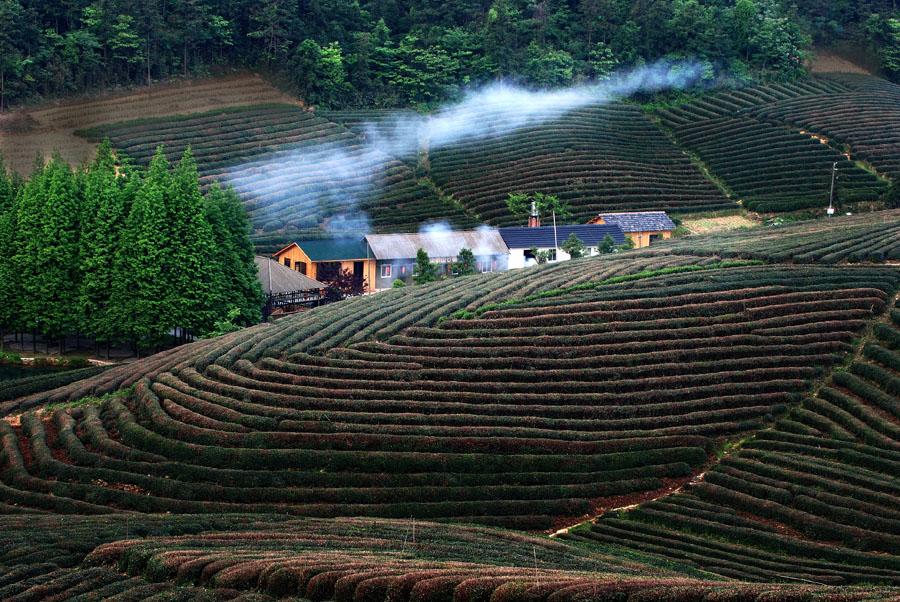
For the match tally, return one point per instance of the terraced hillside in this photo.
(608, 158)
(820, 488)
(866, 118)
(241, 557)
(872, 237)
(533, 399)
(467, 419)
(290, 167)
(775, 158)
(40, 131)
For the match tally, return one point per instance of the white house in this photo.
(525, 240)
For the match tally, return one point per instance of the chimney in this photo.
(534, 221)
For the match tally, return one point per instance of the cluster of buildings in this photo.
(380, 259)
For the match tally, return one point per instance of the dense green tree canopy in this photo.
(121, 254)
(412, 52)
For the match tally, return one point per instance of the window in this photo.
(402, 270)
(287, 261)
(551, 255)
(300, 267)
(386, 270)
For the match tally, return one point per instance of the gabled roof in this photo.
(484, 241)
(640, 221)
(333, 249)
(276, 278)
(522, 237)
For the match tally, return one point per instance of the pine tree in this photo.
(47, 249)
(9, 296)
(103, 216)
(234, 255)
(465, 262)
(573, 246)
(424, 271)
(140, 304)
(195, 286)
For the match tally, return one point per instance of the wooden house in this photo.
(642, 227)
(324, 259)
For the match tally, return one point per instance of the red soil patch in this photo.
(56, 450)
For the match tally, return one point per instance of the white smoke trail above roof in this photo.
(495, 110)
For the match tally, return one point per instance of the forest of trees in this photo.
(123, 255)
(412, 52)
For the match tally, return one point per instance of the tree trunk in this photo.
(2, 89)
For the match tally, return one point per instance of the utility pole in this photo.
(830, 209)
(555, 240)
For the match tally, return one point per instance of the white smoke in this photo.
(343, 177)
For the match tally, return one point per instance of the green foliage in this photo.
(397, 52)
(234, 255)
(9, 357)
(541, 257)
(141, 307)
(548, 67)
(398, 284)
(9, 297)
(891, 197)
(424, 271)
(105, 206)
(519, 205)
(225, 325)
(607, 245)
(465, 263)
(46, 249)
(574, 246)
(319, 73)
(884, 35)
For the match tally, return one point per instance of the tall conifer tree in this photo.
(9, 296)
(103, 216)
(195, 287)
(47, 249)
(141, 304)
(234, 254)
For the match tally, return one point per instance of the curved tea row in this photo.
(607, 158)
(775, 158)
(290, 166)
(523, 416)
(820, 489)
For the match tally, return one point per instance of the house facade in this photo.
(395, 254)
(324, 259)
(523, 242)
(642, 227)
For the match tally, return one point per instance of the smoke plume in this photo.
(336, 184)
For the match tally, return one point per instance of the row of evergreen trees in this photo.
(122, 254)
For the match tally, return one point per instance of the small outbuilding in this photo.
(396, 253)
(284, 287)
(642, 227)
(524, 241)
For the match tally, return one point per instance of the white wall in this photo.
(517, 256)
